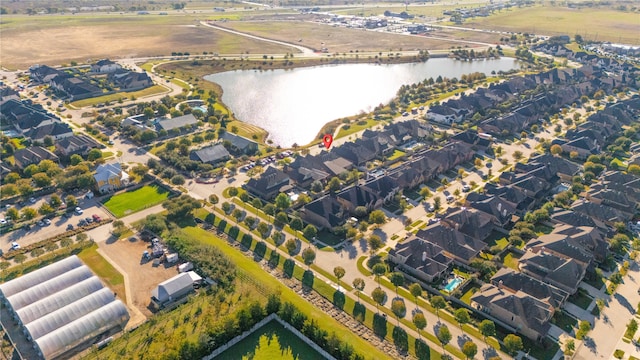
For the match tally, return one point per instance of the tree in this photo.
(339, 273)
(310, 232)
(29, 213)
(375, 243)
(282, 201)
(437, 203)
(556, 149)
(569, 347)
(37, 252)
(377, 217)
(296, 224)
(94, 154)
(177, 180)
(55, 201)
(155, 223)
(438, 303)
(358, 284)
(397, 279)
(517, 155)
(378, 296)
(213, 198)
(462, 316)
(308, 256)
(256, 203)
(444, 335)
(419, 321)
(416, 290)
(291, 246)
(360, 212)
(487, 328)
(634, 169)
(378, 270)
(237, 214)
(41, 179)
(13, 214)
(512, 344)
(66, 242)
(398, 308)
(469, 349)
(4, 265)
(269, 209)
(316, 186)
(233, 191)
(263, 229)
(71, 201)
(180, 207)
(84, 237)
(20, 258)
(281, 218)
(334, 184)
(600, 303)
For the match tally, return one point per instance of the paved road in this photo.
(607, 332)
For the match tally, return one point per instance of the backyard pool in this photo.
(453, 284)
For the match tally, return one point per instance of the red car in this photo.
(96, 217)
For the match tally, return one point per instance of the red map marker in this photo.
(327, 140)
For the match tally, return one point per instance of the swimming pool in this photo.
(453, 284)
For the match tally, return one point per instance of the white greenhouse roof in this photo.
(39, 276)
(82, 329)
(59, 300)
(49, 287)
(63, 306)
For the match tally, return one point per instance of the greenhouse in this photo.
(63, 308)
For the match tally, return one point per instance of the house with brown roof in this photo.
(269, 184)
(32, 155)
(553, 268)
(420, 259)
(459, 247)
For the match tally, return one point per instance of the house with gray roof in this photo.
(470, 222)
(420, 259)
(32, 155)
(211, 154)
(459, 247)
(553, 268)
(174, 289)
(269, 184)
(507, 278)
(178, 123)
(324, 213)
(55, 130)
(238, 144)
(110, 177)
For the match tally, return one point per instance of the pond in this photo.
(293, 105)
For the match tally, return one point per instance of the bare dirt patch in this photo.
(53, 44)
(142, 277)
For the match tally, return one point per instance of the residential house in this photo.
(459, 247)
(563, 168)
(509, 279)
(583, 243)
(553, 268)
(105, 66)
(43, 74)
(502, 211)
(619, 200)
(56, 131)
(575, 218)
(7, 93)
(76, 144)
(268, 184)
(238, 144)
(444, 114)
(470, 222)
(178, 123)
(32, 155)
(211, 154)
(420, 259)
(469, 137)
(130, 80)
(583, 146)
(324, 213)
(600, 212)
(359, 155)
(110, 177)
(25, 117)
(519, 310)
(75, 88)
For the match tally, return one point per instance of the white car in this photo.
(466, 188)
(3, 222)
(47, 222)
(78, 211)
(15, 246)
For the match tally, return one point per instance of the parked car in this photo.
(466, 188)
(431, 208)
(40, 223)
(450, 198)
(82, 222)
(47, 222)
(3, 222)
(32, 200)
(96, 217)
(78, 211)
(15, 246)
(70, 227)
(88, 220)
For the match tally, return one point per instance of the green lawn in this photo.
(581, 299)
(355, 127)
(271, 341)
(134, 201)
(396, 154)
(511, 260)
(155, 89)
(497, 238)
(564, 321)
(104, 270)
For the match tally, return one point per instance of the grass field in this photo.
(134, 201)
(592, 23)
(355, 127)
(271, 341)
(153, 90)
(104, 270)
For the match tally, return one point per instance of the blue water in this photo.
(453, 284)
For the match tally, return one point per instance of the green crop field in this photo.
(271, 341)
(134, 201)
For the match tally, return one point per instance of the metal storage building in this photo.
(174, 288)
(63, 307)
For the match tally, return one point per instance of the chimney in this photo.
(424, 255)
(500, 284)
(499, 207)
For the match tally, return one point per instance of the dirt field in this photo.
(592, 23)
(142, 277)
(61, 39)
(337, 39)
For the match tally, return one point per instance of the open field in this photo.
(153, 90)
(271, 341)
(60, 39)
(134, 201)
(592, 23)
(105, 271)
(336, 39)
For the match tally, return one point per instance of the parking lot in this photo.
(58, 225)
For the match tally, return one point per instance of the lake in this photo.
(293, 105)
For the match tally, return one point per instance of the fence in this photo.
(260, 324)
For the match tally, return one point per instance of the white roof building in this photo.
(174, 288)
